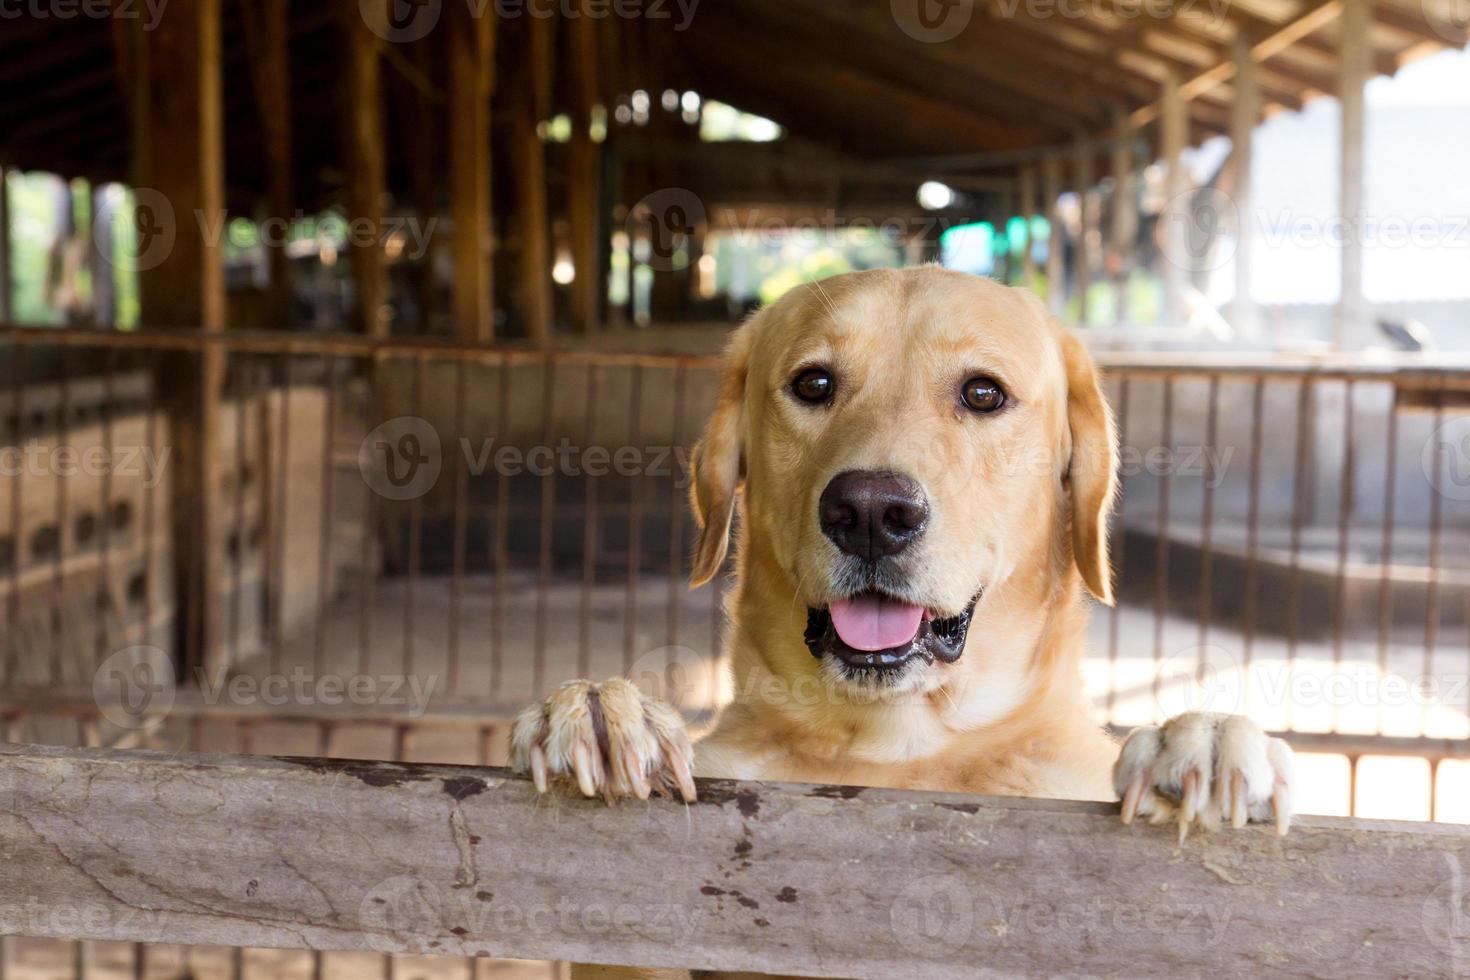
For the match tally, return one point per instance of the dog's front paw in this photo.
(1205, 767)
(608, 738)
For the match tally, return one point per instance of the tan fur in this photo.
(1019, 502)
(1009, 716)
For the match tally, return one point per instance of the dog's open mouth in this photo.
(874, 631)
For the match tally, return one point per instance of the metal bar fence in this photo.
(1287, 532)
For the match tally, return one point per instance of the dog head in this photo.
(909, 445)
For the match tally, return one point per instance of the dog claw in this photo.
(1204, 768)
(608, 739)
(538, 768)
(1132, 797)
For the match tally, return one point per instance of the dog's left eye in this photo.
(813, 386)
(982, 395)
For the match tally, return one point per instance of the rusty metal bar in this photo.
(1301, 493)
(105, 606)
(590, 516)
(676, 513)
(635, 524)
(460, 532)
(245, 392)
(1252, 533)
(1161, 552)
(274, 618)
(324, 571)
(1207, 519)
(63, 521)
(1344, 534)
(18, 549)
(1385, 557)
(415, 535)
(500, 528)
(544, 530)
(368, 574)
(1120, 537)
(1431, 593)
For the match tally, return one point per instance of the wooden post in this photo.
(471, 78)
(366, 180)
(1125, 215)
(1082, 179)
(528, 161)
(909, 884)
(1350, 327)
(1243, 113)
(5, 277)
(1173, 222)
(1028, 214)
(1051, 193)
(584, 174)
(268, 48)
(179, 179)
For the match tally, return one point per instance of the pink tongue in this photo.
(870, 623)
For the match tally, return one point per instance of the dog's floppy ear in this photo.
(719, 462)
(1091, 469)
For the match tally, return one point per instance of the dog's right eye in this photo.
(813, 386)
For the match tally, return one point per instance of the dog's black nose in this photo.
(870, 514)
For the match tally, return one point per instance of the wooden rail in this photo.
(825, 881)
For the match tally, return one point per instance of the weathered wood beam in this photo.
(584, 173)
(268, 48)
(827, 881)
(366, 170)
(1309, 21)
(471, 81)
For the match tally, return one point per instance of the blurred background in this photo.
(352, 352)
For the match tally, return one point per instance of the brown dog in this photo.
(926, 465)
